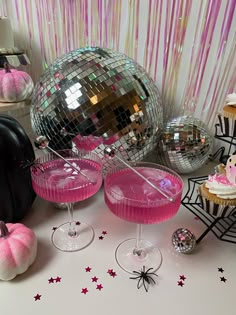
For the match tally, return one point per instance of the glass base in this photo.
(150, 256)
(84, 235)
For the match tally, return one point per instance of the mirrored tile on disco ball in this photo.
(92, 92)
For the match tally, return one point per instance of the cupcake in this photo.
(218, 192)
(227, 119)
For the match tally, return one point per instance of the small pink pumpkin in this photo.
(15, 85)
(18, 249)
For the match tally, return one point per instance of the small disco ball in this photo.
(183, 241)
(93, 97)
(185, 144)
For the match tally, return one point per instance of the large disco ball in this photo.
(93, 97)
(185, 144)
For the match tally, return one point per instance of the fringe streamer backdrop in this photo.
(187, 46)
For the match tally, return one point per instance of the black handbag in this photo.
(16, 154)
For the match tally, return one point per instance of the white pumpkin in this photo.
(18, 249)
(15, 85)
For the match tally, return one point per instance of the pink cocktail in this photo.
(63, 183)
(132, 198)
(76, 178)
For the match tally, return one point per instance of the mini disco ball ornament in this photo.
(93, 97)
(183, 241)
(185, 144)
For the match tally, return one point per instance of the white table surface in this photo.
(203, 291)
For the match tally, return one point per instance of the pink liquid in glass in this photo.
(131, 198)
(61, 183)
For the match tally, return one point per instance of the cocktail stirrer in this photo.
(42, 142)
(65, 133)
(110, 152)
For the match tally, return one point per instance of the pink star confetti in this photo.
(113, 274)
(88, 269)
(109, 271)
(58, 279)
(94, 279)
(101, 237)
(99, 287)
(37, 297)
(182, 277)
(51, 280)
(84, 290)
(180, 283)
(104, 232)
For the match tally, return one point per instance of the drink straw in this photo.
(64, 132)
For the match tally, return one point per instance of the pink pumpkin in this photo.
(18, 249)
(15, 85)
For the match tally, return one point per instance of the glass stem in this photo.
(72, 227)
(138, 250)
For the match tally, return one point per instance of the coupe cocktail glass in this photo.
(132, 198)
(70, 181)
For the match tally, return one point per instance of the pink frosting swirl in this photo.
(219, 178)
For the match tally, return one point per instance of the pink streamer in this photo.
(167, 36)
(158, 39)
(230, 9)
(85, 18)
(136, 30)
(17, 10)
(100, 15)
(192, 65)
(40, 33)
(207, 43)
(107, 22)
(193, 90)
(28, 21)
(117, 37)
(148, 34)
(154, 31)
(227, 21)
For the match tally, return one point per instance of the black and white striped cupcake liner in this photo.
(217, 210)
(227, 126)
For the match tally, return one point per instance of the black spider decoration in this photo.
(35, 165)
(144, 277)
